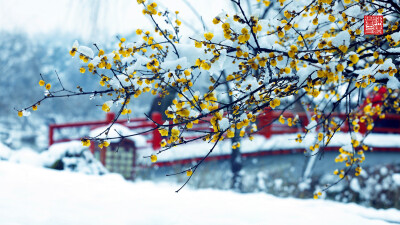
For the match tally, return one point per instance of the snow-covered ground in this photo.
(32, 195)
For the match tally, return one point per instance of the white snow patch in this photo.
(46, 197)
(86, 51)
(396, 36)
(116, 131)
(383, 171)
(224, 124)
(355, 185)
(342, 38)
(26, 156)
(396, 179)
(5, 152)
(311, 125)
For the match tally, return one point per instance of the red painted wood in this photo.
(51, 135)
(103, 153)
(154, 137)
(263, 119)
(156, 117)
(92, 147)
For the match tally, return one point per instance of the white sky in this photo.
(77, 17)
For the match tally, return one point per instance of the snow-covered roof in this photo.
(56, 151)
(274, 143)
(116, 131)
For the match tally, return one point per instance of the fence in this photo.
(267, 122)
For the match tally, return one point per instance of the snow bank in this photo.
(71, 156)
(41, 196)
(5, 152)
(26, 156)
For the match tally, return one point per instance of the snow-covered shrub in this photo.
(377, 186)
(5, 152)
(26, 156)
(72, 156)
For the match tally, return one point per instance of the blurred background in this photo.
(35, 38)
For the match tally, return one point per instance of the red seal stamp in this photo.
(373, 25)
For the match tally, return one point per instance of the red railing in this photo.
(136, 123)
(267, 123)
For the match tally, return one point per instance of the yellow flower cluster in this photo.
(85, 142)
(104, 144)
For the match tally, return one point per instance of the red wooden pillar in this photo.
(156, 117)
(103, 153)
(262, 122)
(268, 120)
(110, 117)
(51, 134)
(363, 127)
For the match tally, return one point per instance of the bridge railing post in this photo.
(51, 134)
(156, 117)
(110, 117)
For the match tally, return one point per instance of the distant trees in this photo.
(286, 52)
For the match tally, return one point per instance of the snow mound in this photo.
(72, 156)
(116, 131)
(26, 156)
(5, 152)
(111, 200)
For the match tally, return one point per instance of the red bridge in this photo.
(389, 125)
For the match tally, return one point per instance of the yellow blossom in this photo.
(175, 132)
(354, 58)
(85, 142)
(273, 62)
(343, 48)
(105, 107)
(339, 67)
(197, 44)
(315, 21)
(163, 131)
(72, 52)
(216, 20)
(209, 36)
(332, 18)
(153, 158)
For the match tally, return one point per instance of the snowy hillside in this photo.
(32, 196)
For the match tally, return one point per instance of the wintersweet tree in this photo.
(285, 52)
